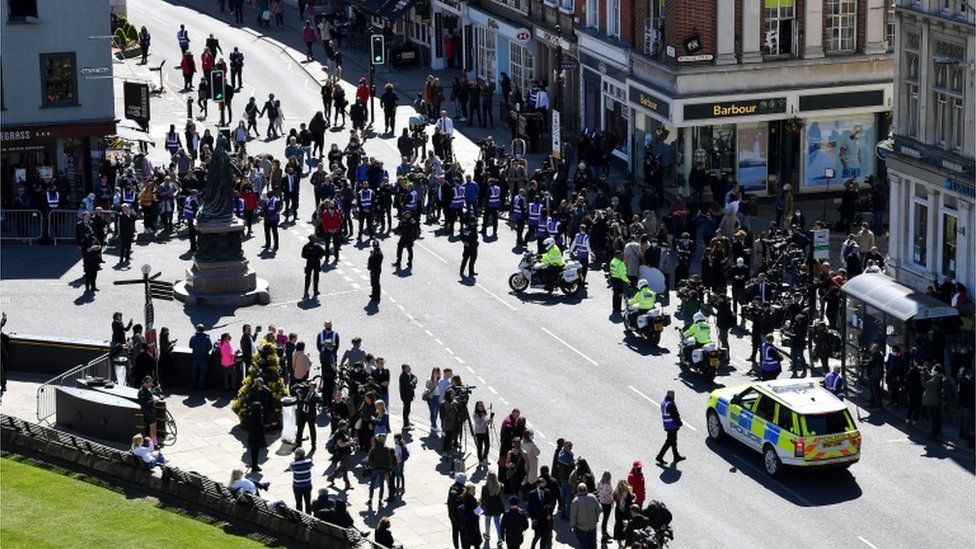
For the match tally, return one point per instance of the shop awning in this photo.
(389, 9)
(133, 134)
(893, 299)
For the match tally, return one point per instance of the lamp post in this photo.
(558, 100)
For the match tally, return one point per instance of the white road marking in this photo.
(347, 277)
(505, 402)
(439, 342)
(449, 351)
(457, 358)
(363, 277)
(401, 307)
(410, 316)
(469, 369)
(574, 349)
(493, 391)
(492, 294)
(481, 380)
(652, 401)
(357, 286)
(429, 333)
(428, 250)
(391, 299)
(868, 543)
(348, 263)
(356, 270)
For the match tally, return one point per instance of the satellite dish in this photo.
(654, 278)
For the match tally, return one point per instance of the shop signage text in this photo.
(91, 71)
(731, 109)
(961, 188)
(650, 102)
(136, 101)
(695, 58)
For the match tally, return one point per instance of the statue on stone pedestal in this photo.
(218, 195)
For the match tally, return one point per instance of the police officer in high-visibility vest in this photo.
(618, 279)
(491, 208)
(542, 231)
(190, 215)
(411, 201)
(173, 143)
(456, 207)
(52, 198)
(672, 422)
(700, 331)
(327, 342)
(272, 215)
(550, 263)
(642, 302)
(834, 383)
(535, 217)
(770, 360)
(365, 197)
(580, 249)
(519, 214)
(129, 196)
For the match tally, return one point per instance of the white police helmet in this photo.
(549, 242)
(642, 283)
(698, 317)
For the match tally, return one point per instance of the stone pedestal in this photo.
(220, 275)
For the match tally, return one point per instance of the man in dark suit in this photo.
(127, 233)
(290, 187)
(540, 507)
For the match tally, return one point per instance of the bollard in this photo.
(121, 366)
(189, 107)
(289, 426)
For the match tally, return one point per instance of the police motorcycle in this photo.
(704, 360)
(648, 324)
(532, 274)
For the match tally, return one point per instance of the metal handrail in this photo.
(46, 392)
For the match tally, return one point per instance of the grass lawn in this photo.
(40, 507)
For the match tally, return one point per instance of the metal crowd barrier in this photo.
(62, 224)
(47, 392)
(22, 225)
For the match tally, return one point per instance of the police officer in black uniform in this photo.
(375, 267)
(407, 229)
(469, 237)
(312, 253)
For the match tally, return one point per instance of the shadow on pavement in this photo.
(802, 488)
(36, 262)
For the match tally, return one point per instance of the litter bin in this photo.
(289, 427)
(120, 365)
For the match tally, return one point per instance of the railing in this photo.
(47, 392)
(63, 224)
(23, 225)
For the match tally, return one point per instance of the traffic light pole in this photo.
(372, 92)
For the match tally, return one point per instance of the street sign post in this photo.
(821, 244)
(557, 146)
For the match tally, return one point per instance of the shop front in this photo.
(70, 155)
(651, 134)
(813, 141)
(502, 47)
(604, 101)
(557, 63)
(451, 35)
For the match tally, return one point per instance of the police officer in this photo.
(491, 210)
(771, 360)
(618, 279)
(327, 342)
(580, 249)
(455, 207)
(834, 383)
(190, 215)
(312, 253)
(519, 213)
(739, 274)
(535, 217)
(375, 266)
(365, 211)
(407, 229)
(700, 330)
(644, 301)
(272, 215)
(469, 237)
(672, 422)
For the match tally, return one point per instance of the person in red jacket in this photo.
(309, 36)
(207, 61)
(251, 201)
(189, 68)
(330, 221)
(636, 481)
(362, 92)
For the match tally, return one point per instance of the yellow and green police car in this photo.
(791, 422)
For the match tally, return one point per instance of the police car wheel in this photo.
(714, 425)
(771, 462)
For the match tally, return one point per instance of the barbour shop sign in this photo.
(730, 109)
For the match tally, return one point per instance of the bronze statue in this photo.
(218, 194)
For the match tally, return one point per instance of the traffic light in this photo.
(217, 86)
(377, 47)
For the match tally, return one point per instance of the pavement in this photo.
(565, 362)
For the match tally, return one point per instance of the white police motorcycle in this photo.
(531, 274)
(649, 324)
(704, 360)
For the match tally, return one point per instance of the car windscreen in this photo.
(832, 423)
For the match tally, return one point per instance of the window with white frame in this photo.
(947, 88)
(592, 14)
(780, 17)
(911, 92)
(941, 119)
(486, 39)
(520, 65)
(418, 32)
(567, 5)
(920, 226)
(841, 25)
(890, 26)
(613, 18)
(521, 6)
(956, 120)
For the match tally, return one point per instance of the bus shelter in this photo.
(877, 309)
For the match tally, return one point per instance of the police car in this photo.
(791, 422)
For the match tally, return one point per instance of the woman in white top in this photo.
(531, 453)
(432, 397)
(240, 483)
(604, 494)
(147, 452)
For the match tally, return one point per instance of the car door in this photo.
(741, 416)
(764, 426)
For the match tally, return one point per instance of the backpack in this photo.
(404, 453)
(330, 445)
